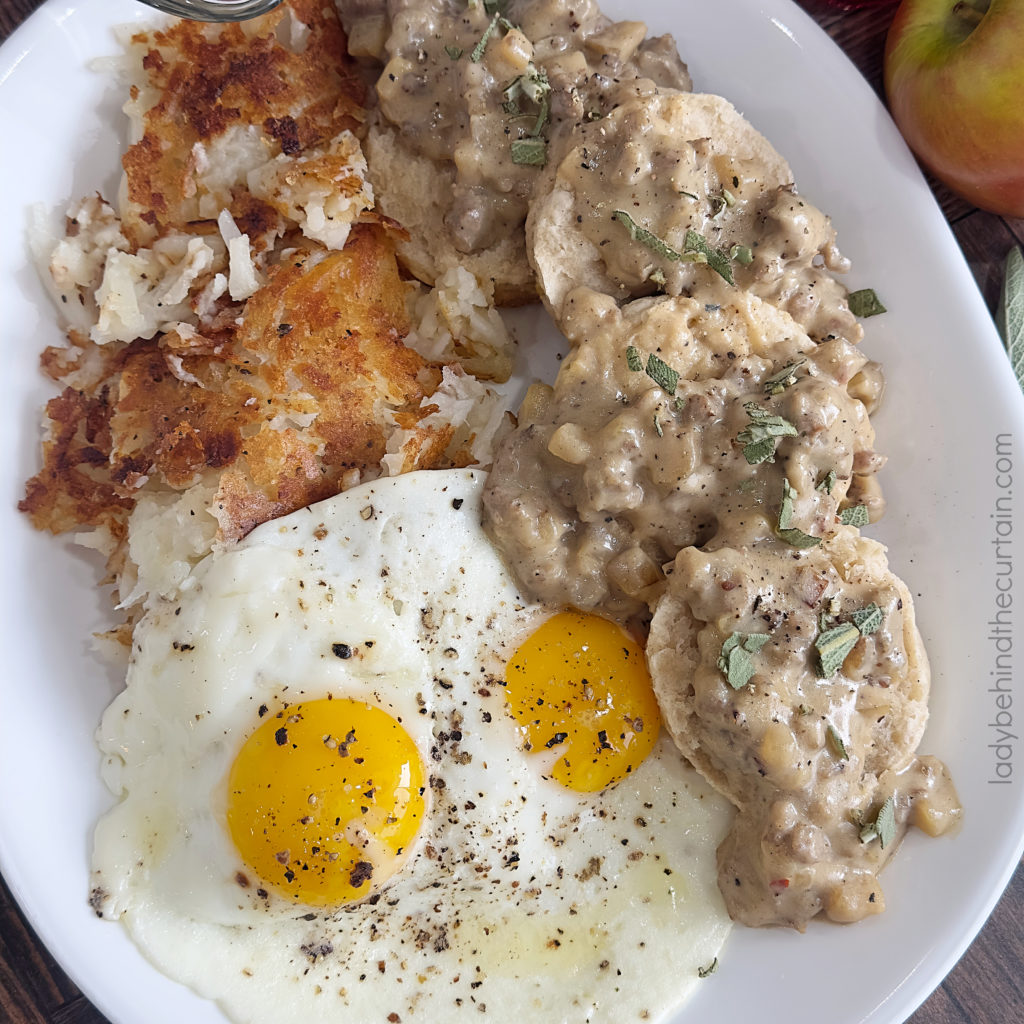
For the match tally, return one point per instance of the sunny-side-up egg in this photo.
(363, 779)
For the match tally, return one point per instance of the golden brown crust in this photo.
(243, 75)
(281, 406)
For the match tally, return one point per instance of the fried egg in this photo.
(361, 777)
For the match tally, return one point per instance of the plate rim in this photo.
(31, 34)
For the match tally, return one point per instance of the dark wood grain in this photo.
(986, 987)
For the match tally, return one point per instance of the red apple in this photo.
(954, 75)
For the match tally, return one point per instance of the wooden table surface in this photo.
(986, 987)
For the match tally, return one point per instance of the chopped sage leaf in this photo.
(785, 531)
(531, 152)
(828, 615)
(796, 538)
(786, 377)
(772, 422)
(455, 52)
(534, 87)
(837, 744)
(834, 645)
(868, 618)
(865, 302)
(827, 482)
(648, 239)
(760, 437)
(825, 619)
(534, 84)
(717, 260)
(478, 51)
(885, 823)
(492, 6)
(703, 972)
(736, 662)
(855, 515)
(696, 249)
(542, 116)
(786, 508)
(679, 403)
(883, 828)
(512, 92)
(658, 277)
(756, 452)
(657, 426)
(742, 254)
(633, 358)
(661, 373)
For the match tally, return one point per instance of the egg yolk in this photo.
(325, 799)
(580, 685)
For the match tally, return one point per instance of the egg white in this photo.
(519, 896)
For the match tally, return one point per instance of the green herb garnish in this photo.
(736, 662)
(868, 618)
(786, 377)
(741, 254)
(696, 248)
(761, 436)
(834, 645)
(828, 615)
(883, 828)
(648, 239)
(532, 152)
(717, 260)
(662, 374)
(657, 369)
(478, 51)
(657, 426)
(855, 515)
(703, 972)
(796, 538)
(827, 482)
(455, 52)
(532, 86)
(865, 303)
(886, 822)
(837, 744)
(785, 530)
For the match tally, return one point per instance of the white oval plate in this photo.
(952, 426)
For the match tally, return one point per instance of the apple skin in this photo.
(956, 91)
